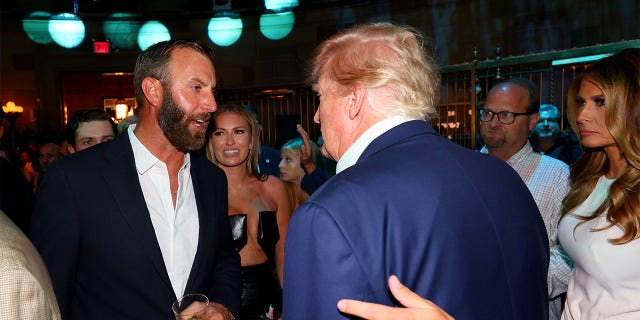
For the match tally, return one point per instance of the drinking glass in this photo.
(192, 306)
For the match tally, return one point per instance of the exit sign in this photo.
(101, 47)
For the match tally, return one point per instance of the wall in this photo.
(30, 74)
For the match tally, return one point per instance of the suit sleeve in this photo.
(312, 181)
(55, 234)
(319, 261)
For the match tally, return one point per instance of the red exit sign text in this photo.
(101, 47)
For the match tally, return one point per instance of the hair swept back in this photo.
(251, 164)
(382, 54)
(618, 77)
(154, 63)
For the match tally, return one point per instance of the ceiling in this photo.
(164, 8)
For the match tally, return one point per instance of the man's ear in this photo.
(70, 148)
(358, 96)
(153, 91)
(533, 120)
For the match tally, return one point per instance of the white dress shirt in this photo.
(353, 153)
(176, 228)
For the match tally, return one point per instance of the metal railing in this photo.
(457, 119)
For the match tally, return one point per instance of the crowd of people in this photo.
(536, 225)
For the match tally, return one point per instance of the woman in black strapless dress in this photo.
(259, 210)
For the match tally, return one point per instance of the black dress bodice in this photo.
(261, 290)
(268, 233)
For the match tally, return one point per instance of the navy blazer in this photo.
(456, 226)
(92, 227)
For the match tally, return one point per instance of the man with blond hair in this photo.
(406, 201)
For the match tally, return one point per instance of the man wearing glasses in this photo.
(509, 114)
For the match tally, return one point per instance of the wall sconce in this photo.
(11, 110)
(122, 109)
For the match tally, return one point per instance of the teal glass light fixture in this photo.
(225, 29)
(67, 30)
(278, 25)
(279, 5)
(151, 33)
(121, 28)
(36, 26)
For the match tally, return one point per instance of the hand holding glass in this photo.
(191, 306)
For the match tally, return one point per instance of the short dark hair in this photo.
(86, 115)
(154, 62)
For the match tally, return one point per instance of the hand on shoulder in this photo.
(416, 307)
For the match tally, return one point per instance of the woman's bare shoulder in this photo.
(274, 182)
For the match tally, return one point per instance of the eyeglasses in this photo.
(505, 117)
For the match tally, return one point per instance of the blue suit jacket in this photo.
(458, 227)
(92, 227)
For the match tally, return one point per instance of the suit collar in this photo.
(351, 155)
(206, 237)
(398, 134)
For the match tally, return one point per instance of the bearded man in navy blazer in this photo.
(457, 227)
(127, 226)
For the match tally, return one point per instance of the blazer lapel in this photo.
(122, 178)
(205, 220)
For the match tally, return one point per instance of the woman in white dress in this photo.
(600, 224)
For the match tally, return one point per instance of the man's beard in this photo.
(491, 138)
(173, 122)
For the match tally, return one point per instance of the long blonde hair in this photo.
(253, 158)
(618, 77)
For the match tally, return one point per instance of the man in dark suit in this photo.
(457, 227)
(547, 138)
(16, 193)
(128, 226)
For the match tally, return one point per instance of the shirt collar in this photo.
(522, 154)
(144, 159)
(353, 153)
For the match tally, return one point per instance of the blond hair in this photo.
(382, 54)
(253, 158)
(618, 77)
